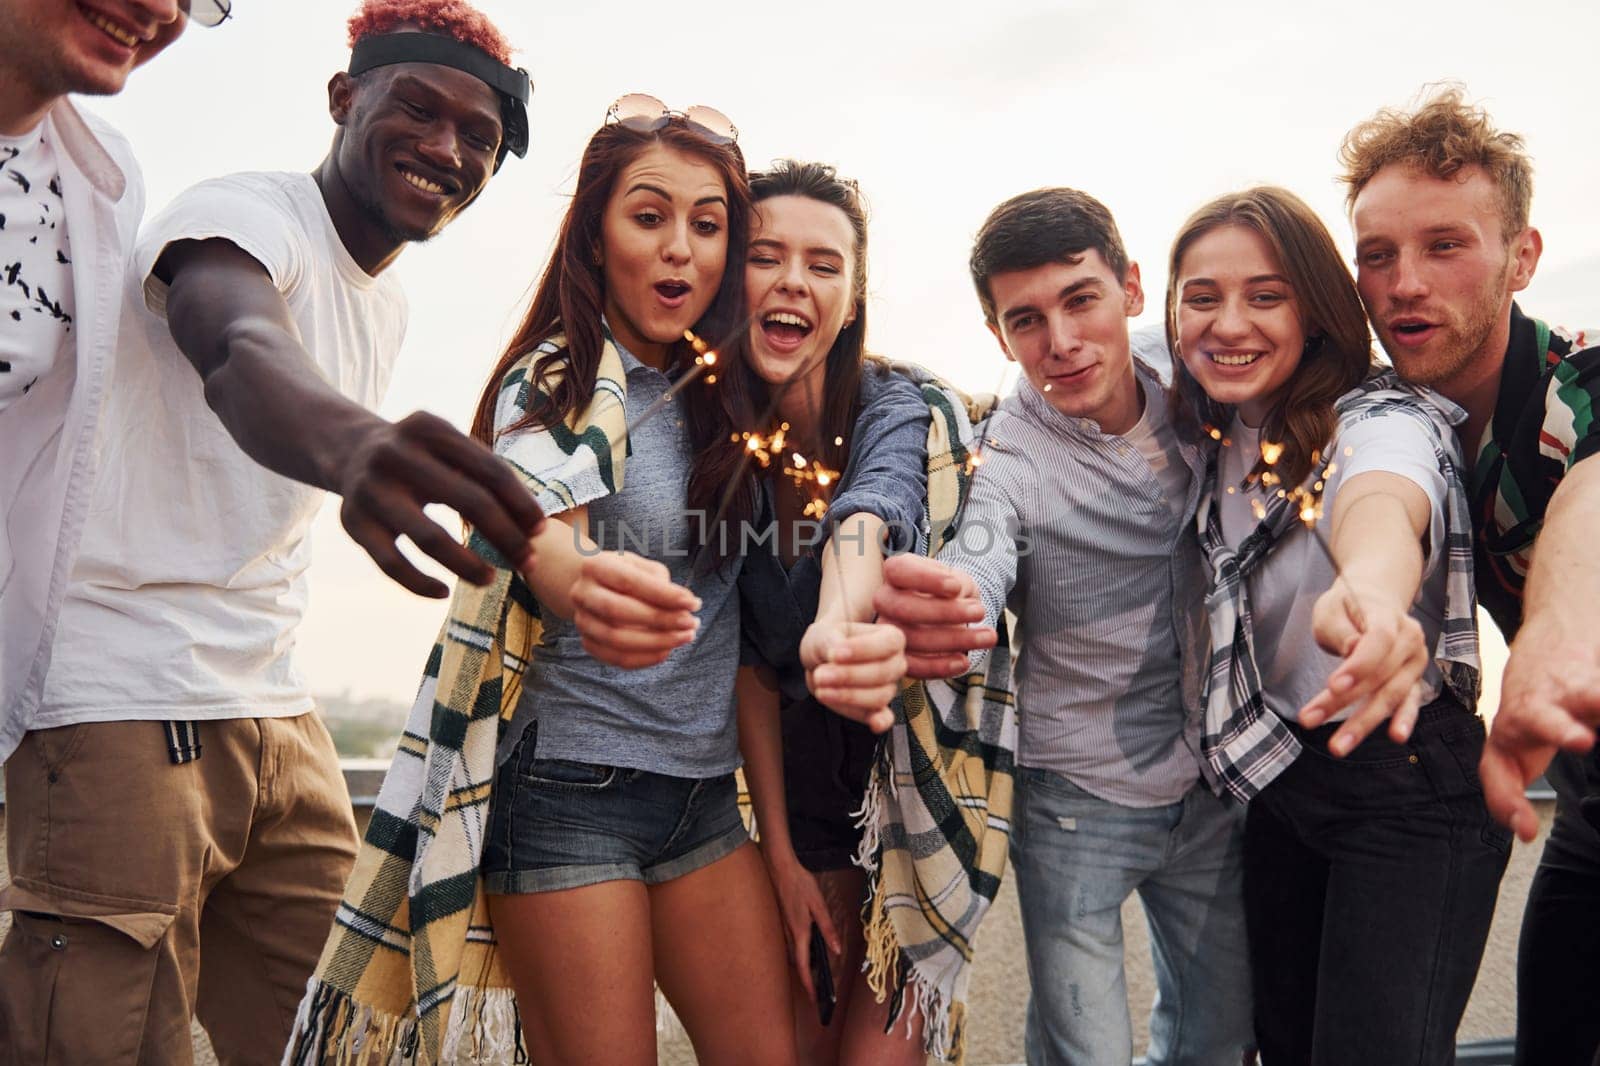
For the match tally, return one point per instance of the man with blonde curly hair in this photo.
(1439, 200)
(176, 803)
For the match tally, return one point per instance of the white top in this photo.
(1285, 586)
(191, 581)
(1156, 440)
(36, 305)
(47, 436)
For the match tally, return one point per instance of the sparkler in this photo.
(705, 357)
(763, 449)
(1308, 505)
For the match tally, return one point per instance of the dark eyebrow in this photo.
(1014, 313)
(1257, 280)
(1066, 293)
(818, 249)
(1079, 286)
(644, 186)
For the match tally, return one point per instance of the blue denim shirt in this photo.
(886, 475)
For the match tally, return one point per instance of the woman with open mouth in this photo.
(614, 856)
(862, 430)
(1336, 530)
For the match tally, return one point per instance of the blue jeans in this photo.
(1077, 859)
(556, 824)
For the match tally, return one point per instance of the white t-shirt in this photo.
(190, 582)
(1285, 586)
(1159, 446)
(36, 305)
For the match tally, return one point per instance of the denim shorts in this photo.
(556, 823)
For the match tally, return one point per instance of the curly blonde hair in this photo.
(1441, 137)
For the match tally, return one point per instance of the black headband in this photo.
(509, 83)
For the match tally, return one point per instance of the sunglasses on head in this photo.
(208, 12)
(643, 113)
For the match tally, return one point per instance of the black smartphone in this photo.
(821, 976)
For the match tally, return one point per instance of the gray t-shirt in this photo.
(676, 717)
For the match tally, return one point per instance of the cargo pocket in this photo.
(76, 978)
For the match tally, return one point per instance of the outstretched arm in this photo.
(231, 322)
(853, 665)
(1550, 694)
(1379, 523)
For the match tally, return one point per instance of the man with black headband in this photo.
(177, 801)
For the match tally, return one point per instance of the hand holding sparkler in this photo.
(1384, 659)
(1380, 520)
(629, 611)
(938, 609)
(1365, 615)
(855, 668)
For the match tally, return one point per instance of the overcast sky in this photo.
(939, 110)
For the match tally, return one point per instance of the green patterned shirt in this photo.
(1544, 422)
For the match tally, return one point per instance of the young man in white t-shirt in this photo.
(176, 803)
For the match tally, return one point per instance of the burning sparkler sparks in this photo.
(809, 476)
(1307, 502)
(704, 359)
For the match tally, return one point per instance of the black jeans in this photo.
(1369, 886)
(1558, 957)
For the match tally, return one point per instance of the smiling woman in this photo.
(1318, 647)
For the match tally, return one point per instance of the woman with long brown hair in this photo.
(614, 856)
(1336, 532)
(811, 642)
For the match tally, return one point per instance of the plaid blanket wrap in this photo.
(409, 973)
(1244, 744)
(937, 812)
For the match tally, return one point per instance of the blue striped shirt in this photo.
(1070, 528)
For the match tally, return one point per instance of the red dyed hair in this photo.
(452, 18)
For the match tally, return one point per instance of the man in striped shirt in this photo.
(1080, 521)
(1440, 202)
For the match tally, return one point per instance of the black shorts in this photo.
(827, 760)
